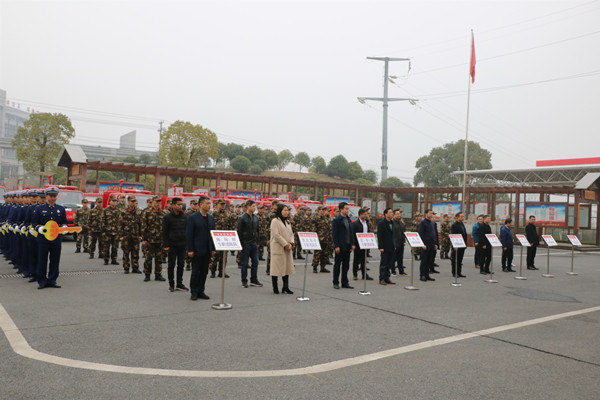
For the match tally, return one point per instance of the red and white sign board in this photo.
(366, 240)
(414, 240)
(523, 240)
(493, 239)
(309, 241)
(574, 240)
(226, 240)
(457, 241)
(549, 240)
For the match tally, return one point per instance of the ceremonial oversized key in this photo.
(51, 230)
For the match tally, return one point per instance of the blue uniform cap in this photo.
(51, 190)
(41, 193)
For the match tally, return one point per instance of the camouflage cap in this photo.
(99, 200)
(156, 198)
(131, 198)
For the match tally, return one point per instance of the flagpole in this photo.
(471, 75)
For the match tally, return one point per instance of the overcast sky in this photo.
(287, 74)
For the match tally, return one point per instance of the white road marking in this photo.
(20, 346)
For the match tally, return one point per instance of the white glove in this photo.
(40, 230)
(23, 230)
(10, 228)
(31, 231)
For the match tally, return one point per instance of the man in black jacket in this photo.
(247, 227)
(173, 237)
(200, 247)
(343, 243)
(428, 235)
(386, 239)
(486, 247)
(360, 225)
(456, 256)
(534, 240)
(400, 241)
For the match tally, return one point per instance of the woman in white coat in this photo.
(282, 244)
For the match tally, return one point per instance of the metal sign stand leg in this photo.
(455, 283)
(222, 305)
(364, 292)
(548, 274)
(521, 277)
(303, 297)
(491, 280)
(412, 273)
(572, 258)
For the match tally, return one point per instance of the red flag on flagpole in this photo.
(472, 58)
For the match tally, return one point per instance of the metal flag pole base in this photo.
(303, 297)
(521, 277)
(364, 292)
(572, 273)
(572, 258)
(412, 273)
(548, 274)
(455, 283)
(491, 280)
(222, 305)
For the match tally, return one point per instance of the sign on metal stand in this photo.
(366, 241)
(574, 242)
(550, 242)
(414, 240)
(494, 242)
(524, 243)
(457, 242)
(308, 241)
(225, 241)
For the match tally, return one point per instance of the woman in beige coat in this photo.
(282, 243)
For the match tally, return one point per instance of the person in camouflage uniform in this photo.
(263, 222)
(82, 219)
(130, 234)
(151, 234)
(416, 252)
(148, 207)
(109, 225)
(95, 227)
(298, 225)
(272, 215)
(222, 223)
(322, 224)
(121, 205)
(445, 229)
(193, 208)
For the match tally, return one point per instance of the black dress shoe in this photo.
(78, 251)
(91, 256)
(423, 279)
(483, 272)
(510, 270)
(54, 286)
(147, 278)
(347, 287)
(430, 279)
(126, 271)
(336, 286)
(315, 271)
(136, 271)
(105, 262)
(369, 278)
(32, 280)
(462, 276)
(433, 271)
(114, 262)
(194, 297)
(300, 258)
(203, 296)
(325, 270)
(159, 277)
(42, 287)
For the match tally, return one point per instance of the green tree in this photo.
(39, 141)
(319, 164)
(255, 169)
(303, 160)
(253, 153)
(232, 150)
(262, 164)
(363, 181)
(434, 169)
(270, 157)
(393, 182)
(283, 159)
(148, 159)
(355, 171)
(370, 175)
(187, 145)
(338, 166)
(241, 163)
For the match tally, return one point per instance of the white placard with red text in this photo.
(309, 241)
(366, 240)
(549, 240)
(574, 240)
(226, 240)
(493, 239)
(414, 240)
(457, 241)
(523, 240)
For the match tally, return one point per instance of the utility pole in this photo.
(385, 99)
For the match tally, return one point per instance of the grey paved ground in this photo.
(108, 317)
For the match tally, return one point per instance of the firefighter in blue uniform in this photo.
(32, 241)
(49, 249)
(13, 221)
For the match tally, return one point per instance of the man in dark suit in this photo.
(456, 256)
(486, 247)
(360, 225)
(343, 242)
(400, 241)
(200, 247)
(427, 232)
(386, 235)
(534, 240)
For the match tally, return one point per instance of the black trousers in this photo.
(199, 272)
(456, 257)
(531, 250)
(359, 262)
(507, 257)
(427, 260)
(176, 254)
(399, 258)
(477, 258)
(341, 260)
(486, 258)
